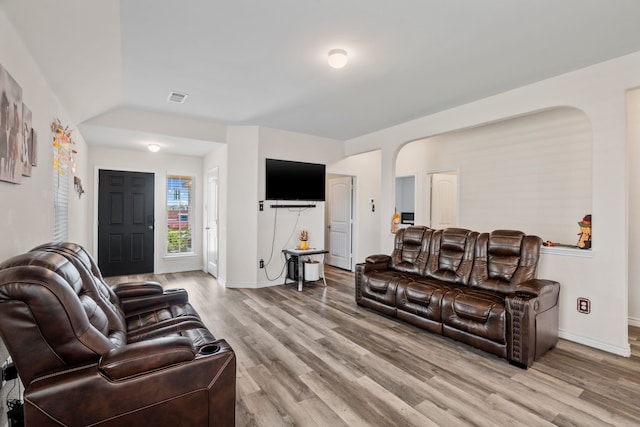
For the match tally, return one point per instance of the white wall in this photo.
(633, 136)
(27, 208)
(279, 228)
(160, 165)
(530, 173)
(242, 206)
(246, 234)
(366, 168)
(599, 91)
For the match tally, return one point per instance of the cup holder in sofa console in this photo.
(209, 349)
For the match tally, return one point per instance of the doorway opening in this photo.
(442, 199)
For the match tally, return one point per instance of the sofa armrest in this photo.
(378, 259)
(544, 291)
(532, 320)
(200, 391)
(145, 356)
(137, 289)
(372, 263)
(136, 297)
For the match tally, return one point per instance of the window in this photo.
(179, 209)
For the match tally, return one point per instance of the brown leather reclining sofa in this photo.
(477, 288)
(89, 354)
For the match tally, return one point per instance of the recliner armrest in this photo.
(378, 259)
(373, 262)
(141, 357)
(532, 320)
(545, 290)
(136, 304)
(196, 392)
(137, 289)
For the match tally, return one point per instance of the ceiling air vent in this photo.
(177, 97)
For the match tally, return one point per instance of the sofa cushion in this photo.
(451, 255)
(504, 258)
(421, 298)
(411, 249)
(381, 285)
(477, 312)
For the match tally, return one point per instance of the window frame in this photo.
(189, 251)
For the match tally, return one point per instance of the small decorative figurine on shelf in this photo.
(585, 232)
(395, 221)
(304, 236)
(585, 236)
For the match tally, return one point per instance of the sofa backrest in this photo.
(411, 249)
(504, 258)
(451, 255)
(95, 285)
(47, 320)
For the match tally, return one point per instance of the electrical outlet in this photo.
(261, 263)
(584, 305)
(261, 205)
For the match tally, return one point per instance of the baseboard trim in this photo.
(620, 351)
(633, 321)
(179, 270)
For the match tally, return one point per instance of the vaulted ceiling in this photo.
(254, 62)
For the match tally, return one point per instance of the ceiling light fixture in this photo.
(154, 148)
(338, 58)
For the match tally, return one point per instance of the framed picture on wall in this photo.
(34, 148)
(25, 146)
(10, 128)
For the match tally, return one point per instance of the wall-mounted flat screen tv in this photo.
(289, 180)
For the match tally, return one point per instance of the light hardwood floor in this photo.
(314, 358)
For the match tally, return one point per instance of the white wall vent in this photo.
(177, 97)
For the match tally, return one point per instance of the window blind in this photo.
(60, 207)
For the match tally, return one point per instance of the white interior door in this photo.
(212, 223)
(444, 200)
(340, 213)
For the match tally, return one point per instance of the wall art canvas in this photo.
(34, 147)
(10, 128)
(25, 152)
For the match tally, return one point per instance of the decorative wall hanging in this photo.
(27, 146)
(77, 185)
(34, 147)
(585, 232)
(11, 139)
(63, 148)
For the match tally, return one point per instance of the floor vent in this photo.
(177, 97)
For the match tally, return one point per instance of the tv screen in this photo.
(288, 180)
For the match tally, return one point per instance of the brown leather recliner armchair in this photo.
(79, 367)
(144, 309)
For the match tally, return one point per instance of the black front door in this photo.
(125, 222)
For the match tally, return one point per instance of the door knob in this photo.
(150, 227)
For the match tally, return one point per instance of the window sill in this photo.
(180, 255)
(576, 252)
